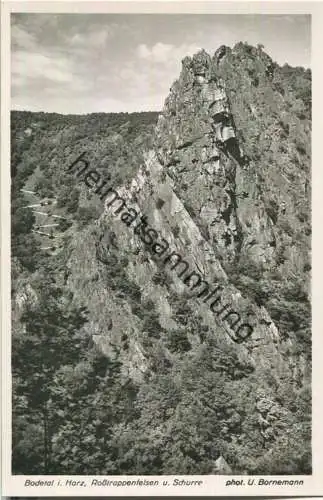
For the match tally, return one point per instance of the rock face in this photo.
(221, 467)
(209, 189)
(218, 170)
(196, 273)
(197, 144)
(152, 193)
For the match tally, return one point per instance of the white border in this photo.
(212, 485)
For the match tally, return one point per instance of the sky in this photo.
(86, 63)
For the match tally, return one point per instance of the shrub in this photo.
(159, 278)
(272, 210)
(177, 341)
(176, 231)
(159, 203)
(86, 214)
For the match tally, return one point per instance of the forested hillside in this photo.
(117, 367)
(52, 355)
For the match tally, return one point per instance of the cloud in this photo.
(91, 39)
(32, 65)
(159, 52)
(21, 38)
(82, 63)
(147, 77)
(164, 52)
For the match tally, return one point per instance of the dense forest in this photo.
(50, 350)
(102, 382)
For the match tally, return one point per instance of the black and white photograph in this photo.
(161, 246)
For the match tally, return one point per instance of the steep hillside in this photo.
(171, 325)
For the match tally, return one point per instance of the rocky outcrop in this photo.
(199, 192)
(221, 467)
(205, 233)
(197, 142)
(175, 225)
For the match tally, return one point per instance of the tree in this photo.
(51, 339)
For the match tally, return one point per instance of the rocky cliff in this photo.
(215, 200)
(225, 184)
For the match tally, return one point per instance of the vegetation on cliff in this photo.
(115, 369)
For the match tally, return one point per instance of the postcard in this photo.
(161, 199)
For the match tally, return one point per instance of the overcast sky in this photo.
(83, 63)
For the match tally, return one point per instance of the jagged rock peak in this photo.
(198, 104)
(200, 147)
(197, 110)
